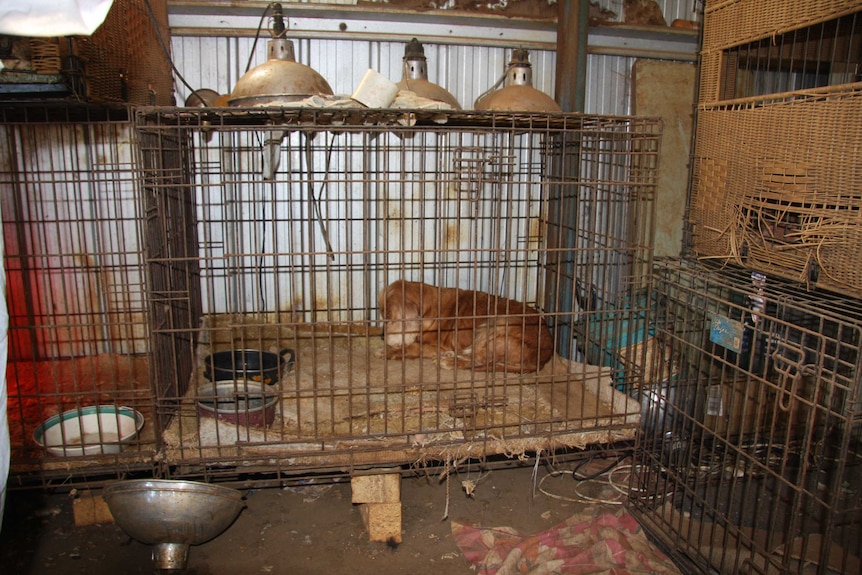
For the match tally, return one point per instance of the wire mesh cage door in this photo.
(751, 455)
(172, 261)
(293, 222)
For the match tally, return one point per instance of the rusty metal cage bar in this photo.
(78, 327)
(303, 216)
(154, 243)
(751, 453)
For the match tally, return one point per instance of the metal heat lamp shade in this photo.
(415, 77)
(281, 79)
(518, 94)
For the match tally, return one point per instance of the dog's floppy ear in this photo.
(399, 301)
(382, 299)
(425, 299)
(400, 309)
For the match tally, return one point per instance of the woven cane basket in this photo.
(123, 62)
(729, 23)
(777, 185)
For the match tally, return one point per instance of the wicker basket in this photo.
(45, 55)
(729, 23)
(732, 22)
(777, 185)
(123, 61)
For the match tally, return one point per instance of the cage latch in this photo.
(788, 360)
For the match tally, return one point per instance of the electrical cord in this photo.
(257, 34)
(492, 88)
(167, 52)
(609, 471)
(580, 497)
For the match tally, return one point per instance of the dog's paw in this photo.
(447, 361)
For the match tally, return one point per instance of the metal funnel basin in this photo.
(172, 515)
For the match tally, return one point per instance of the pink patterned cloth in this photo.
(586, 543)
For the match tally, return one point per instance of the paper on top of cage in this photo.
(318, 101)
(375, 90)
(407, 100)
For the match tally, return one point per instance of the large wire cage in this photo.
(750, 462)
(259, 241)
(275, 231)
(78, 372)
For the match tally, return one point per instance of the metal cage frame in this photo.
(268, 229)
(751, 449)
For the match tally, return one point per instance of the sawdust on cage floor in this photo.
(342, 394)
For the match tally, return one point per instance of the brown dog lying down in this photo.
(463, 329)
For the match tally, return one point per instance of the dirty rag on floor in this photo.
(592, 542)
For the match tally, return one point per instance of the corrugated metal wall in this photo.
(414, 182)
(217, 62)
(72, 243)
(465, 70)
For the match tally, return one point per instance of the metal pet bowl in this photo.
(252, 364)
(172, 515)
(92, 430)
(239, 402)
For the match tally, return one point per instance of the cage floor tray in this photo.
(341, 399)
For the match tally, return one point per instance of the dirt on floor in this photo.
(309, 529)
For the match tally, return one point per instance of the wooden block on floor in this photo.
(381, 488)
(382, 521)
(91, 510)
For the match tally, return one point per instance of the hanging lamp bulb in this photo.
(518, 94)
(415, 77)
(281, 79)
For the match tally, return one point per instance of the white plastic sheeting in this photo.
(49, 18)
(5, 447)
